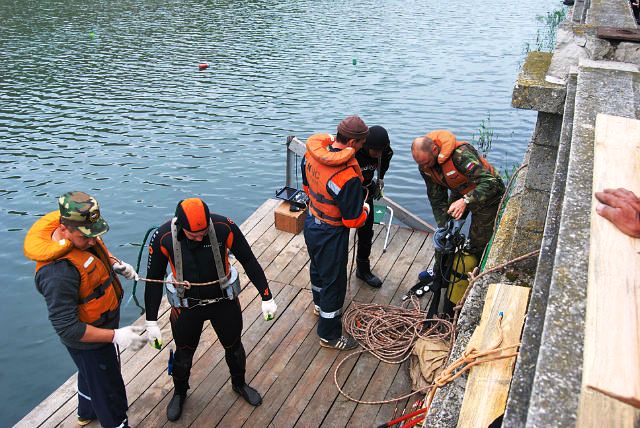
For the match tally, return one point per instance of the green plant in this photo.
(485, 136)
(546, 37)
(483, 144)
(507, 172)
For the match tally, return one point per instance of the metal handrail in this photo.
(295, 146)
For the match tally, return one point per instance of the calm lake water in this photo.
(106, 97)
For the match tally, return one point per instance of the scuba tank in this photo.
(452, 262)
(463, 262)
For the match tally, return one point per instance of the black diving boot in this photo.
(363, 271)
(174, 409)
(250, 395)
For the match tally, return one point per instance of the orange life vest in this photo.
(100, 290)
(322, 166)
(450, 176)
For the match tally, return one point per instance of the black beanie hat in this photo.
(378, 138)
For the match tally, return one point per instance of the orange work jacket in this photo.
(100, 290)
(322, 166)
(451, 177)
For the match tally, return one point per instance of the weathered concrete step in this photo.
(602, 87)
(577, 39)
(520, 392)
(533, 192)
(532, 91)
(611, 13)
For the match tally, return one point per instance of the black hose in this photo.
(135, 282)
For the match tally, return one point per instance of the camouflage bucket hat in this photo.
(79, 210)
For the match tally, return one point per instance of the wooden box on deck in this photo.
(288, 221)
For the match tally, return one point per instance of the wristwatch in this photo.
(466, 199)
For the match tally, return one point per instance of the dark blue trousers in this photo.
(101, 392)
(328, 248)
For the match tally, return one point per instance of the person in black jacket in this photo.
(212, 293)
(374, 156)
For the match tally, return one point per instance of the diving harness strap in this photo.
(229, 284)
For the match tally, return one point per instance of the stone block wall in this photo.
(549, 210)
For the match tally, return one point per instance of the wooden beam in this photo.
(612, 331)
(485, 396)
(615, 33)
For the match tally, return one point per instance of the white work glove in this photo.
(269, 309)
(129, 336)
(154, 335)
(366, 207)
(126, 270)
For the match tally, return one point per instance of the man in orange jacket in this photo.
(75, 274)
(333, 180)
(449, 165)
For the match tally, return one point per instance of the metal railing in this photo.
(297, 147)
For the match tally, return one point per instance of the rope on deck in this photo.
(389, 333)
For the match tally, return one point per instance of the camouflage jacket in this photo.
(489, 187)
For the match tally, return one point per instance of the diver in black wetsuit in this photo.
(374, 156)
(206, 302)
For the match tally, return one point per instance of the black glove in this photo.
(376, 189)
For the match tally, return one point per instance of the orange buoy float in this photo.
(203, 66)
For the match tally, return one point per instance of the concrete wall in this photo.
(549, 210)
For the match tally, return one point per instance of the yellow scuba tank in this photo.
(463, 262)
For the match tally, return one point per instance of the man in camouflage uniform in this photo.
(75, 275)
(447, 164)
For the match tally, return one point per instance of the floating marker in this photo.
(354, 61)
(92, 34)
(203, 66)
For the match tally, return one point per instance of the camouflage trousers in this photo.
(481, 229)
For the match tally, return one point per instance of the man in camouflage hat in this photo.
(459, 180)
(79, 210)
(75, 274)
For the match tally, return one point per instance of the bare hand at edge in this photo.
(622, 208)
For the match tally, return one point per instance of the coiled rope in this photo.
(471, 357)
(389, 333)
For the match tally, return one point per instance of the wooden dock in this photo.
(285, 363)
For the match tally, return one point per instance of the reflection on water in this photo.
(106, 97)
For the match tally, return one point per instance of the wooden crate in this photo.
(287, 221)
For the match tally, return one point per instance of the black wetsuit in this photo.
(198, 267)
(369, 166)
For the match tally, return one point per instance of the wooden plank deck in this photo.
(284, 360)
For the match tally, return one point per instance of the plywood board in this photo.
(485, 396)
(612, 331)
